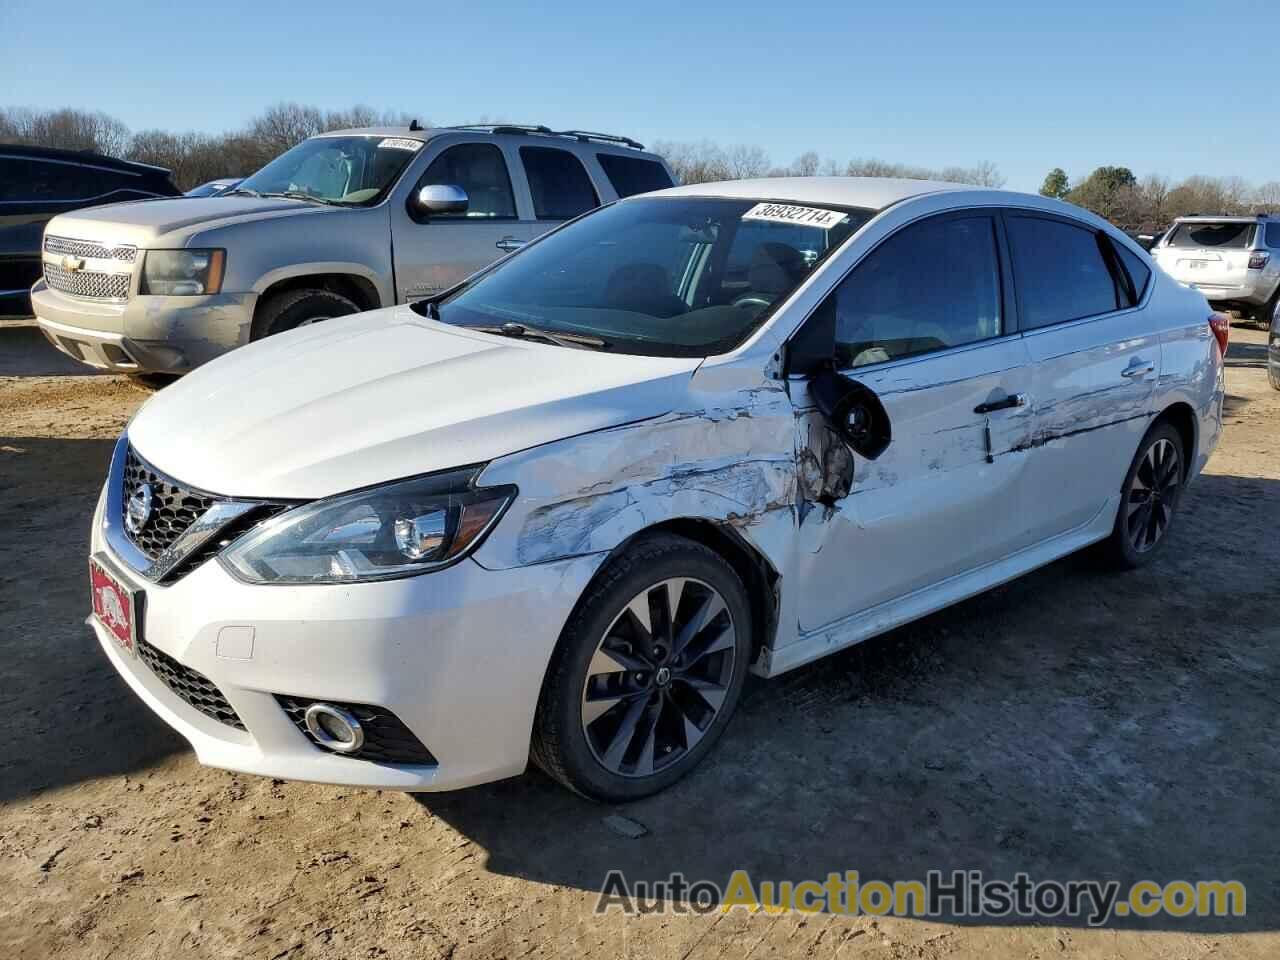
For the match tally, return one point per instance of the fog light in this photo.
(334, 728)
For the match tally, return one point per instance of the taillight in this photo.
(1259, 260)
(1220, 324)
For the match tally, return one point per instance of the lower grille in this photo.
(386, 738)
(87, 283)
(191, 685)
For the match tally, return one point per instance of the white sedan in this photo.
(561, 510)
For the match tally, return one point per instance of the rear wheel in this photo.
(299, 308)
(1149, 499)
(647, 673)
(1265, 315)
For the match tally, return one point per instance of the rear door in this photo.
(1097, 360)
(925, 321)
(432, 254)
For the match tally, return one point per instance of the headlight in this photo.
(182, 273)
(397, 530)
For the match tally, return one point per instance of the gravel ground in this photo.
(1073, 724)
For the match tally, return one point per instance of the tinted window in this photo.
(480, 170)
(1273, 235)
(1233, 236)
(930, 286)
(632, 175)
(23, 178)
(1060, 271)
(558, 182)
(1138, 271)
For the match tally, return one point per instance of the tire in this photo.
(151, 382)
(1131, 545)
(295, 308)
(581, 735)
(1265, 314)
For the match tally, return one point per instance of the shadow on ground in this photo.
(24, 352)
(68, 716)
(1077, 723)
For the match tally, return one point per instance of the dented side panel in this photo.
(940, 500)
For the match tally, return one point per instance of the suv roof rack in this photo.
(582, 136)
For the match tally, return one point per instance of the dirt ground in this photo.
(1074, 724)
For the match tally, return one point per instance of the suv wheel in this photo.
(298, 308)
(1150, 496)
(647, 673)
(1265, 315)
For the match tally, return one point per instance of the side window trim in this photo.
(1109, 258)
(506, 169)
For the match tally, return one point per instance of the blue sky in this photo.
(1028, 85)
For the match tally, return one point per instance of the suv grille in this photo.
(89, 249)
(173, 507)
(191, 685)
(87, 283)
(386, 738)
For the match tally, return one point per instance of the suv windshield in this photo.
(1234, 236)
(347, 170)
(674, 277)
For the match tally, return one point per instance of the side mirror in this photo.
(439, 198)
(853, 411)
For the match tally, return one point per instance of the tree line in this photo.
(1149, 205)
(1114, 192)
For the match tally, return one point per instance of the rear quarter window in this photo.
(1138, 271)
(1273, 236)
(632, 175)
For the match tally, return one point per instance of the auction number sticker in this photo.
(789, 213)
(400, 143)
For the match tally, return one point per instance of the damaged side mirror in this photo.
(853, 411)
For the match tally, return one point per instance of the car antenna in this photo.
(414, 124)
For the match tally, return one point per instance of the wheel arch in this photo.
(762, 581)
(352, 281)
(1182, 418)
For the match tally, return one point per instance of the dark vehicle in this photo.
(37, 184)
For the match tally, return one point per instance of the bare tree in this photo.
(744, 162)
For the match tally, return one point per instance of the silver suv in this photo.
(345, 221)
(1233, 261)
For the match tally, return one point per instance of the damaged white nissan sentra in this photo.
(561, 510)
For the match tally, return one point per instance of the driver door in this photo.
(431, 255)
(924, 321)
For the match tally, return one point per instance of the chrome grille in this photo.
(87, 283)
(173, 507)
(89, 249)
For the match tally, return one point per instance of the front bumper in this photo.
(144, 334)
(458, 655)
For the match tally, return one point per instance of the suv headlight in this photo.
(182, 273)
(397, 530)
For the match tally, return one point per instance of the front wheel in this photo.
(299, 308)
(647, 673)
(1150, 497)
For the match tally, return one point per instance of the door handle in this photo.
(1008, 403)
(1138, 368)
(510, 243)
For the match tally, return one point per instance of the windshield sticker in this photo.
(787, 213)
(400, 143)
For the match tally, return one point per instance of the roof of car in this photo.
(873, 193)
(1225, 218)
(490, 129)
(82, 156)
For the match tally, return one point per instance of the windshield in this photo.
(352, 171)
(1233, 236)
(675, 277)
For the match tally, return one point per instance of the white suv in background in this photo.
(1233, 261)
(345, 221)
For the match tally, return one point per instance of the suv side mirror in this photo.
(853, 411)
(439, 198)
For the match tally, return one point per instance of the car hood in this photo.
(142, 222)
(373, 397)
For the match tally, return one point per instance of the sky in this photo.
(1171, 87)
